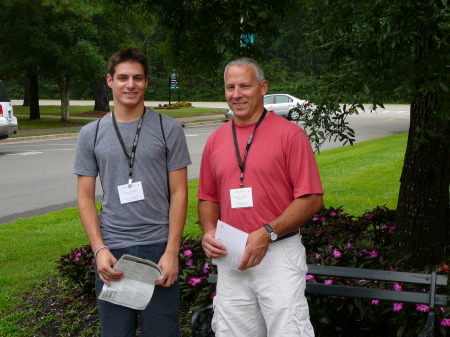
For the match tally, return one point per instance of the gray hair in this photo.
(246, 61)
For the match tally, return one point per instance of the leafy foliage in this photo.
(335, 238)
(194, 272)
(78, 268)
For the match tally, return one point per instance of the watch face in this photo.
(273, 236)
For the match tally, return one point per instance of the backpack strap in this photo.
(165, 145)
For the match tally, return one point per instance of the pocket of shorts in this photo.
(294, 253)
(301, 324)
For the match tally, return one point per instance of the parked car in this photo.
(282, 105)
(8, 123)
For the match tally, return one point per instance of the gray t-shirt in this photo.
(141, 222)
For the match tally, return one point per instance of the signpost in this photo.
(174, 84)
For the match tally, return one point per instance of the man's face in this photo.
(128, 84)
(244, 93)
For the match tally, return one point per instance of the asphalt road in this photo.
(36, 176)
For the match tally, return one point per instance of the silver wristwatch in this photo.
(273, 236)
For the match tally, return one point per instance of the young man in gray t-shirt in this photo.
(141, 159)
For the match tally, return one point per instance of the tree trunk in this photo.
(34, 97)
(102, 96)
(26, 98)
(423, 203)
(64, 90)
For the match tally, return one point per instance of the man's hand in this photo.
(105, 262)
(170, 268)
(212, 247)
(255, 250)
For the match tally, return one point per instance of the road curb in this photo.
(75, 134)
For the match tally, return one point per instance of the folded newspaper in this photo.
(135, 290)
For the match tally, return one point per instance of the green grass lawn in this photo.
(77, 110)
(359, 178)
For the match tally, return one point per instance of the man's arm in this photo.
(89, 218)
(209, 213)
(296, 214)
(177, 218)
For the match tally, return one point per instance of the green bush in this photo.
(78, 268)
(334, 238)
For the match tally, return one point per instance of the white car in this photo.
(8, 123)
(281, 104)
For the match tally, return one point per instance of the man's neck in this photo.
(124, 114)
(252, 119)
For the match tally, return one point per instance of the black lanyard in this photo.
(130, 156)
(247, 148)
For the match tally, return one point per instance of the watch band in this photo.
(273, 236)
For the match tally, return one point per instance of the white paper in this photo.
(235, 240)
(135, 290)
(131, 193)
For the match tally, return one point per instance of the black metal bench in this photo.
(201, 318)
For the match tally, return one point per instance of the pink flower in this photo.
(187, 252)
(444, 267)
(375, 302)
(206, 267)
(398, 287)
(391, 229)
(398, 307)
(361, 281)
(323, 219)
(336, 254)
(384, 227)
(442, 309)
(76, 259)
(373, 254)
(445, 322)
(309, 277)
(422, 307)
(333, 214)
(315, 218)
(316, 256)
(348, 245)
(362, 251)
(189, 262)
(194, 281)
(328, 281)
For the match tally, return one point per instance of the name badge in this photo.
(241, 197)
(131, 193)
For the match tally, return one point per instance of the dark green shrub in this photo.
(195, 268)
(334, 238)
(78, 268)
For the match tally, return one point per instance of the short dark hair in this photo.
(127, 55)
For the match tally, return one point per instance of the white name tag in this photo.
(241, 197)
(131, 193)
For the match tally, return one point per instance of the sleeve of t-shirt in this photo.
(207, 188)
(178, 153)
(302, 166)
(85, 162)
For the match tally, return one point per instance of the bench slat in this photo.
(373, 274)
(370, 293)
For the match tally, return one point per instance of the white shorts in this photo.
(267, 300)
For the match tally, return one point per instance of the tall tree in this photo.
(21, 48)
(379, 49)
